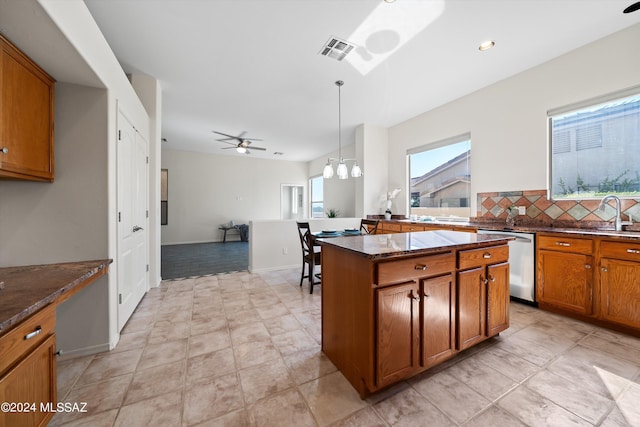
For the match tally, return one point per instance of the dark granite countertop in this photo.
(27, 289)
(599, 229)
(377, 246)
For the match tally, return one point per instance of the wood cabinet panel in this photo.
(620, 287)
(565, 244)
(620, 250)
(484, 256)
(438, 319)
(26, 117)
(398, 332)
(26, 336)
(390, 227)
(471, 307)
(497, 298)
(565, 280)
(414, 268)
(412, 227)
(32, 380)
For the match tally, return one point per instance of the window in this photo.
(317, 195)
(440, 178)
(595, 148)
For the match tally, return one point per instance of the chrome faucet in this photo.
(618, 221)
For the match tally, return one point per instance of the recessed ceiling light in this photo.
(389, 1)
(486, 45)
(632, 8)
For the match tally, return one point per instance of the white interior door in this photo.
(133, 238)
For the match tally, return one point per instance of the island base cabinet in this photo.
(620, 291)
(438, 320)
(415, 327)
(398, 332)
(483, 303)
(30, 382)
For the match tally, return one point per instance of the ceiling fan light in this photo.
(342, 171)
(356, 172)
(241, 150)
(328, 170)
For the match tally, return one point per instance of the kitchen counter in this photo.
(598, 229)
(378, 246)
(27, 289)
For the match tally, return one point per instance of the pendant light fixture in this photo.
(341, 171)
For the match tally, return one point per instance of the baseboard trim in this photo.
(85, 351)
(275, 268)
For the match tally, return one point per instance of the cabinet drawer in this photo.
(26, 336)
(390, 226)
(566, 244)
(483, 256)
(620, 250)
(414, 268)
(411, 227)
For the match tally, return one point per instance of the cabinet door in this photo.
(438, 319)
(497, 298)
(32, 380)
(471, 307)
(565, 280)
(26, 118)
(398, 332)
(621, 291)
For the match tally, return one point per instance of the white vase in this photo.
(387, 215)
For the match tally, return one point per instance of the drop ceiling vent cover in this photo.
(336, 48)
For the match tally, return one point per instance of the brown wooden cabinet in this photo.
(483, 294)
(28, 370)
(385, 319)
(620, 283)
(397, 332)
(565, 273)
(26, 117)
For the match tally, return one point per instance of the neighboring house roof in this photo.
(415, 181)
(465, 179)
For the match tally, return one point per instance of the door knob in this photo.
(137, 228)
(4, 150)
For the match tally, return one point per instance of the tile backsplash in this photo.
(542, 211)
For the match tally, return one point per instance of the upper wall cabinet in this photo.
(26, 117)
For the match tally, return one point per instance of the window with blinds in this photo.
(595, 147)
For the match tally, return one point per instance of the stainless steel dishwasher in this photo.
(521, 264)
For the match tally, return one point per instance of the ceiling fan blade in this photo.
(224, 134)
(227, 142)
(257, 148)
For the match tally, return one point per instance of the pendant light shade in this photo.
(342, 171)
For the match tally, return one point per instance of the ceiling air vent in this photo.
(336, 48)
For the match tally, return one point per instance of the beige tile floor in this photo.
(244, 350)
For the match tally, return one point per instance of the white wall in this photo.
(339, 194)
(206, 190)
(275, 245)
(74, 218)
(372, 147)
(508, 122)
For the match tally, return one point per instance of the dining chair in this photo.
(369, 226)
(310, 257)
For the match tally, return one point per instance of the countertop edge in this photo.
(58, 296)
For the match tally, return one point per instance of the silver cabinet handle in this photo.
(587, 266)
(420, 267)
(36, 332)
(486, 255)
(563, 244)
(137, 228)
(4, 150)
(604, 269)
(633, 251)
(415, 297)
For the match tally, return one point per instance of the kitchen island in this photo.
(394, 305)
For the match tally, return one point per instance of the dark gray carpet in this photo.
(199, 259)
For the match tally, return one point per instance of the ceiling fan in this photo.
(243, 145)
